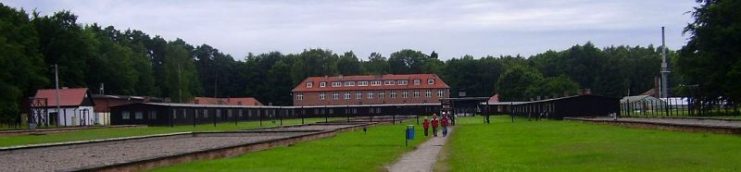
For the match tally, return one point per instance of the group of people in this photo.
(444, 122)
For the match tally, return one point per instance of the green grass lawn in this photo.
(576, 146)
(126, 132)
(348, 151)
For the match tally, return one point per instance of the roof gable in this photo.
(67, 96)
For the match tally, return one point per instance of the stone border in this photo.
(60, 129)
(663, 125)
(80, 142)
(217, 153)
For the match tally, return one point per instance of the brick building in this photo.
(370, 89)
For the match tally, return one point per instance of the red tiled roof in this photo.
(494, 98)
(245, 101)
(67, 96)
(438, 83)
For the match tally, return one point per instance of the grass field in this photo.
(575, 146)
(126, 132)
(348, 151)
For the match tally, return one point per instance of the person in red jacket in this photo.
(434, 125)
(426, 125)
(444, 123)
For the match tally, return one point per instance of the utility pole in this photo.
(59, 108)
(664, 69)
(180, 90)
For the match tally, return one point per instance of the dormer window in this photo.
(336, 84)
(323, 84)
(430, 81)
(416, 82)
(402, 82)
(349, 83)
(389, 82)
(375, 83)
(309, 84)
(362, 83)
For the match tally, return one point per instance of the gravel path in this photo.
(72, 157)
(424, 157)
(686, 121)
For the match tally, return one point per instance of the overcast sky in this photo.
(452, 28)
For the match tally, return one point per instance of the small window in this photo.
(125, 115)
(335, 96)
(402, 82)
(299, 96)
(336, 84)
(370, 95)
(393, 94)
(323, 84)
(440, 93)
(309, 84)
(152, 114)
(349, 83)
(358, 95)
(321, 96)
(428, 93)
(362, 83)
(416, 93)
(416, 82)
(405, 94)
(430, 81)
(139, 115)
(381, 95)
(375, 83)
(390, 82)
(347, 95)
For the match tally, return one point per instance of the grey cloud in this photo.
(453, 28)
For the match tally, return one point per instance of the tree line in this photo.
(131, 62)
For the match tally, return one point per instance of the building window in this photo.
(309, 84)
(370, 95)
(416, 93)
(358, 95)
(347, 95)
(375, 83)
(335, 96)
(389, 82)
(300, 96)
(349, 83)
(321, 96)
(440, 93)
(336, 84)
(125, 115)
(393, 94)
(428, 93)
(405, 94)
(205, 113)
(152, 114)
(381, 95)
(323, 84)
(402, 82)
(138, 115)
(416, 82)
(362, 83)
(430, 81)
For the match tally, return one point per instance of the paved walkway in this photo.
(424, 158)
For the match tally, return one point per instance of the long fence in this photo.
(679, 107)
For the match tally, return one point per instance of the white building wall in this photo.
(73, 116)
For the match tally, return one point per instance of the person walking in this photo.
(426, 125)
(435, 122)
(444, 123)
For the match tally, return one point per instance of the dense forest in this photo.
(131, 62)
